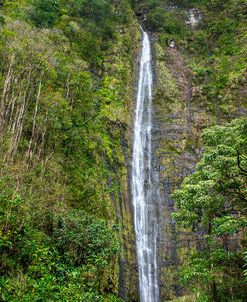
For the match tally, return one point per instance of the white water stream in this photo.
(143, 190)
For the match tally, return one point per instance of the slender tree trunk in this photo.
(213, 284)
(6, 86)
(30, 152)
(214, 291)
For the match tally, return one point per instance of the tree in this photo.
(214, 197)
(45, 12)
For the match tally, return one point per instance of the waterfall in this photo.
(143, 190)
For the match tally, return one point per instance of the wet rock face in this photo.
(180, 112)
(179, 116)
(121, 66)
(176, 146)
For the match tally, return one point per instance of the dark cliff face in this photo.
(119, 176)
(180, 114)
(185, 102)
(177, 150)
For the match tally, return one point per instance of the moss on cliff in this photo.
(66, 110)
(190, 95)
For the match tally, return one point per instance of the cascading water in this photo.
(142, 186)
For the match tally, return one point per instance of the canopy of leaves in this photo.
(215, 197)
(217, 188)
(64, 91)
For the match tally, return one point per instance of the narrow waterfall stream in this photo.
(142, 187)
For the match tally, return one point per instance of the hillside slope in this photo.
(67, 93)
(67, 74)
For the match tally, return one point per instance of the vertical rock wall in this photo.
(122, 67)
(180, 115)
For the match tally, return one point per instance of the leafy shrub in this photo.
(84, 239)
(156, 19)
(45, 13)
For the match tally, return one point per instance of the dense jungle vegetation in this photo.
(62, 119)
(65, 112)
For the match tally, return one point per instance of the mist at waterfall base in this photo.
(146, 228)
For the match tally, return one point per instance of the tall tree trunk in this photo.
(30, 152)
(214, 291)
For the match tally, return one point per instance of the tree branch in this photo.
(239, 164)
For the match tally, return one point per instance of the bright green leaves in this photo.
(218, 181)
(196, 269)
(228, 225)
(215, 196)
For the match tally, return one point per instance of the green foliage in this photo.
(214, 196)
(45, 13)
(157, 18)
(84, 239)
(60, 147)
(94, 10)
(215, 49)
(170, 23)
(69, 261)
(97, 15)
